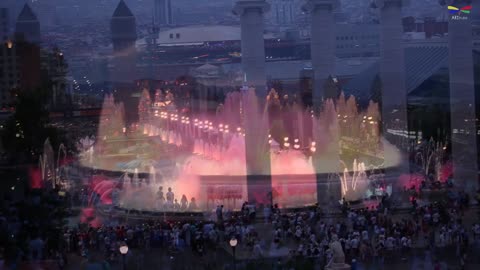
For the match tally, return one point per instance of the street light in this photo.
(124, 250)
(233, 243)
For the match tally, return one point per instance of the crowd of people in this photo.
(367, 235)
(29, 228)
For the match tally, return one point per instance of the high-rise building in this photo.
(19, 57)
(163, 12)
(28, 27)
(123, 28)
(4, 24)
(8, 63)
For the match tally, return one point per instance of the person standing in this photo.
(170, 198)
(184, 202)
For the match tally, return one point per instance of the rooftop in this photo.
(122, 10)
(27, 14)
(198, 34)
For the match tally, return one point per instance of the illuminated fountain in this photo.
(354, 184)
(430, 159)
(51, 171)
(206, 159)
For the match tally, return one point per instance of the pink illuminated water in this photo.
(290, 142)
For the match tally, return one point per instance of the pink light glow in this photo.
(446, 171)
(35, 176)
(221, 151)
(410, 180)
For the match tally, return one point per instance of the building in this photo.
(163, 12)
(25, 66)
(123, 29)
(27, 43)
(8, 64)
(211, 86)
(282, 13)
(4, 25)
(54, 66)
(357, 40)
(28, 27)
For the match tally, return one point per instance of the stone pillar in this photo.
(322, 44)
(257, 149)
(259, 184)
(462, 97)
(392, 72)
(251, 13)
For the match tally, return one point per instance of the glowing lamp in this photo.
(123, 249)
(233, 242)
(313, 149)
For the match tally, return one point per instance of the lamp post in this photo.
(233, 243)
(124, 250)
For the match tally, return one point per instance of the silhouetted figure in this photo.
(170, 198)
(184, 202)
(193, 204)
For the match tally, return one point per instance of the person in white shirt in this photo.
(355, 244)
